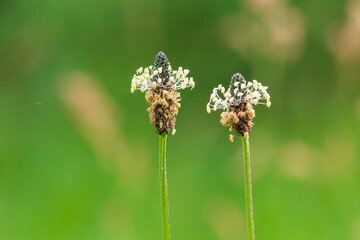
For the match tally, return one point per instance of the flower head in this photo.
(238, 101)
(161, 83)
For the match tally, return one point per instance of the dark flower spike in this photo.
(162, 62)
(238, 103)
(161, 83)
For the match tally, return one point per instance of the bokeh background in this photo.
(79, 159)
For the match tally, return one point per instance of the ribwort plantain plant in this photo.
(237, 103)
(161, 82)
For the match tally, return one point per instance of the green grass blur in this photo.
(79, 159)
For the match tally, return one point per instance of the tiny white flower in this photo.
(186, 72)
(255, 84)
(191, 83)
(186, 81)
(140, 70)
(208, 108)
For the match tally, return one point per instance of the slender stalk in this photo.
(248, 189)
(163, 187)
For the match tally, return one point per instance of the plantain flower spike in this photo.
(237, 102)
(161, 82)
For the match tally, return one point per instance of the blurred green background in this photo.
(79, 159)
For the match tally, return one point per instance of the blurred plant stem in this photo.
(248, 189)
(163, 187)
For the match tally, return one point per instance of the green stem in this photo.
(163, 187)
(248, 189)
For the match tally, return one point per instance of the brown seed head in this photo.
(164, 105)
